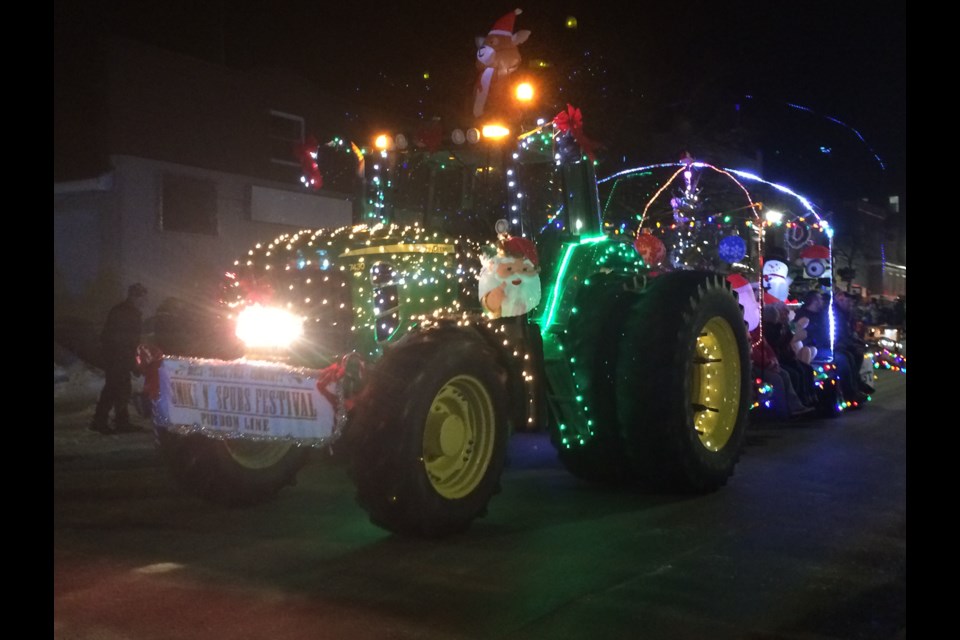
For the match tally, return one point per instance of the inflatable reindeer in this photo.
(498, 55)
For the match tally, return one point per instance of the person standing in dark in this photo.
(119, 341)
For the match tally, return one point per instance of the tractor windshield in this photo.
(465, 191)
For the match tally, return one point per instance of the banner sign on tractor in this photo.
(244, 398)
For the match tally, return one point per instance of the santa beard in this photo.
(518, 298)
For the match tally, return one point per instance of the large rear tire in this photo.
(683, 383)
(230, 472)
(430, 435)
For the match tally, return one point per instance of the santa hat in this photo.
(737, 281)
(517, 247)
(504, 26)
(815, 252)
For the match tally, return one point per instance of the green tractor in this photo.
(372, 340)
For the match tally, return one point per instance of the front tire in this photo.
(230, 472)
(430, 435)
(683, 383)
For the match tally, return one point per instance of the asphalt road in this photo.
(808, 541)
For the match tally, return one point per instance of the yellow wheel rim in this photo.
(715, 384)
(256, 455)
(458, 438)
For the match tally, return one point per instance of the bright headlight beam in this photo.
(268, 327)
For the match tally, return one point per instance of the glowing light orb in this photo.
(732, 249)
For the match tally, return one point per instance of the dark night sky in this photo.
(841, 59)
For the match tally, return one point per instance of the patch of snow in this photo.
(75, 385)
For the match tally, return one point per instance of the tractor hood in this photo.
(348, 289)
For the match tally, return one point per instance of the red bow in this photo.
(328, 376)
(149, 359)
(334, 373)
(571, 121)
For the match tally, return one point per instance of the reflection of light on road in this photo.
(160, 567)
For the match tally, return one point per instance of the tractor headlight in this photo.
(268, 327)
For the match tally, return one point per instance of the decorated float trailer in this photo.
(798, 261)
(772, 241)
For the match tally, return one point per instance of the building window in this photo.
(286, 131)
(188, 204)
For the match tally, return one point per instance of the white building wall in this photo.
(177, 264)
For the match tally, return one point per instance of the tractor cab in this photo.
(538, 183)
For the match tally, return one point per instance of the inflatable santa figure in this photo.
(510, 280)
(748, 300)
(775, 279)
